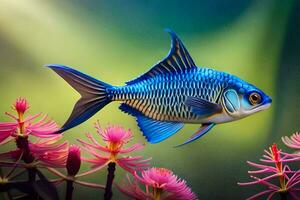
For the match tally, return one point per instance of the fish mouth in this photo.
(265, 106)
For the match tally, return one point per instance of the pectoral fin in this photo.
(200, 132)
(203, 107)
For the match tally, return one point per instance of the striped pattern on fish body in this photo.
(173, 92)
(163, 97)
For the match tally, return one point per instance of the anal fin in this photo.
(157, 131)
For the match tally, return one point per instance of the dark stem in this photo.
(109, 181)
(27, 157)
(31, 174)
(70, 188)
(32, 178)
(22, 143)
(283, 195)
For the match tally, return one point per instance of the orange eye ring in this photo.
(254, 98)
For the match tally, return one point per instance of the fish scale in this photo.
(157, 92)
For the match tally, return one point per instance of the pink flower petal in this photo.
(259, 194)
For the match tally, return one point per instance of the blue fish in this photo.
(173, 92)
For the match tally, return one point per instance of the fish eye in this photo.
(254, 98)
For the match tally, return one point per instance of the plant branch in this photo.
(70, 188)
(109, 181)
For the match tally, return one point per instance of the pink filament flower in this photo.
(274, 167)
(115, 137)
(22, 127)
(293, 141)
(49, 152)
(73, 160)
(44, 151)
(160, 183)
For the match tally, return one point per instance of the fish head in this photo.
(242, 99)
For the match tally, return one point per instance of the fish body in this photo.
(163, 97)
(173, 92)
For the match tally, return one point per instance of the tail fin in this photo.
(93, 95)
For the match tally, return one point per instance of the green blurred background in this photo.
(116, 41)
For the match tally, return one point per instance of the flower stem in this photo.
(31, 178)
(283, 195)
(109, 181)
(31, 174)
(70, 188)
(22, 144)
(157, 193)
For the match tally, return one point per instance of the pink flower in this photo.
(274, 167)
(160, 183)
(73, 160)
(22, 127)
(293, 141)
(115, 137)
(49, 152)
(45, 152)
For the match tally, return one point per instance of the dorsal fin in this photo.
(178, 60)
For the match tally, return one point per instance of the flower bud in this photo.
(275, 152)
(21, 105)
(73, 160)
